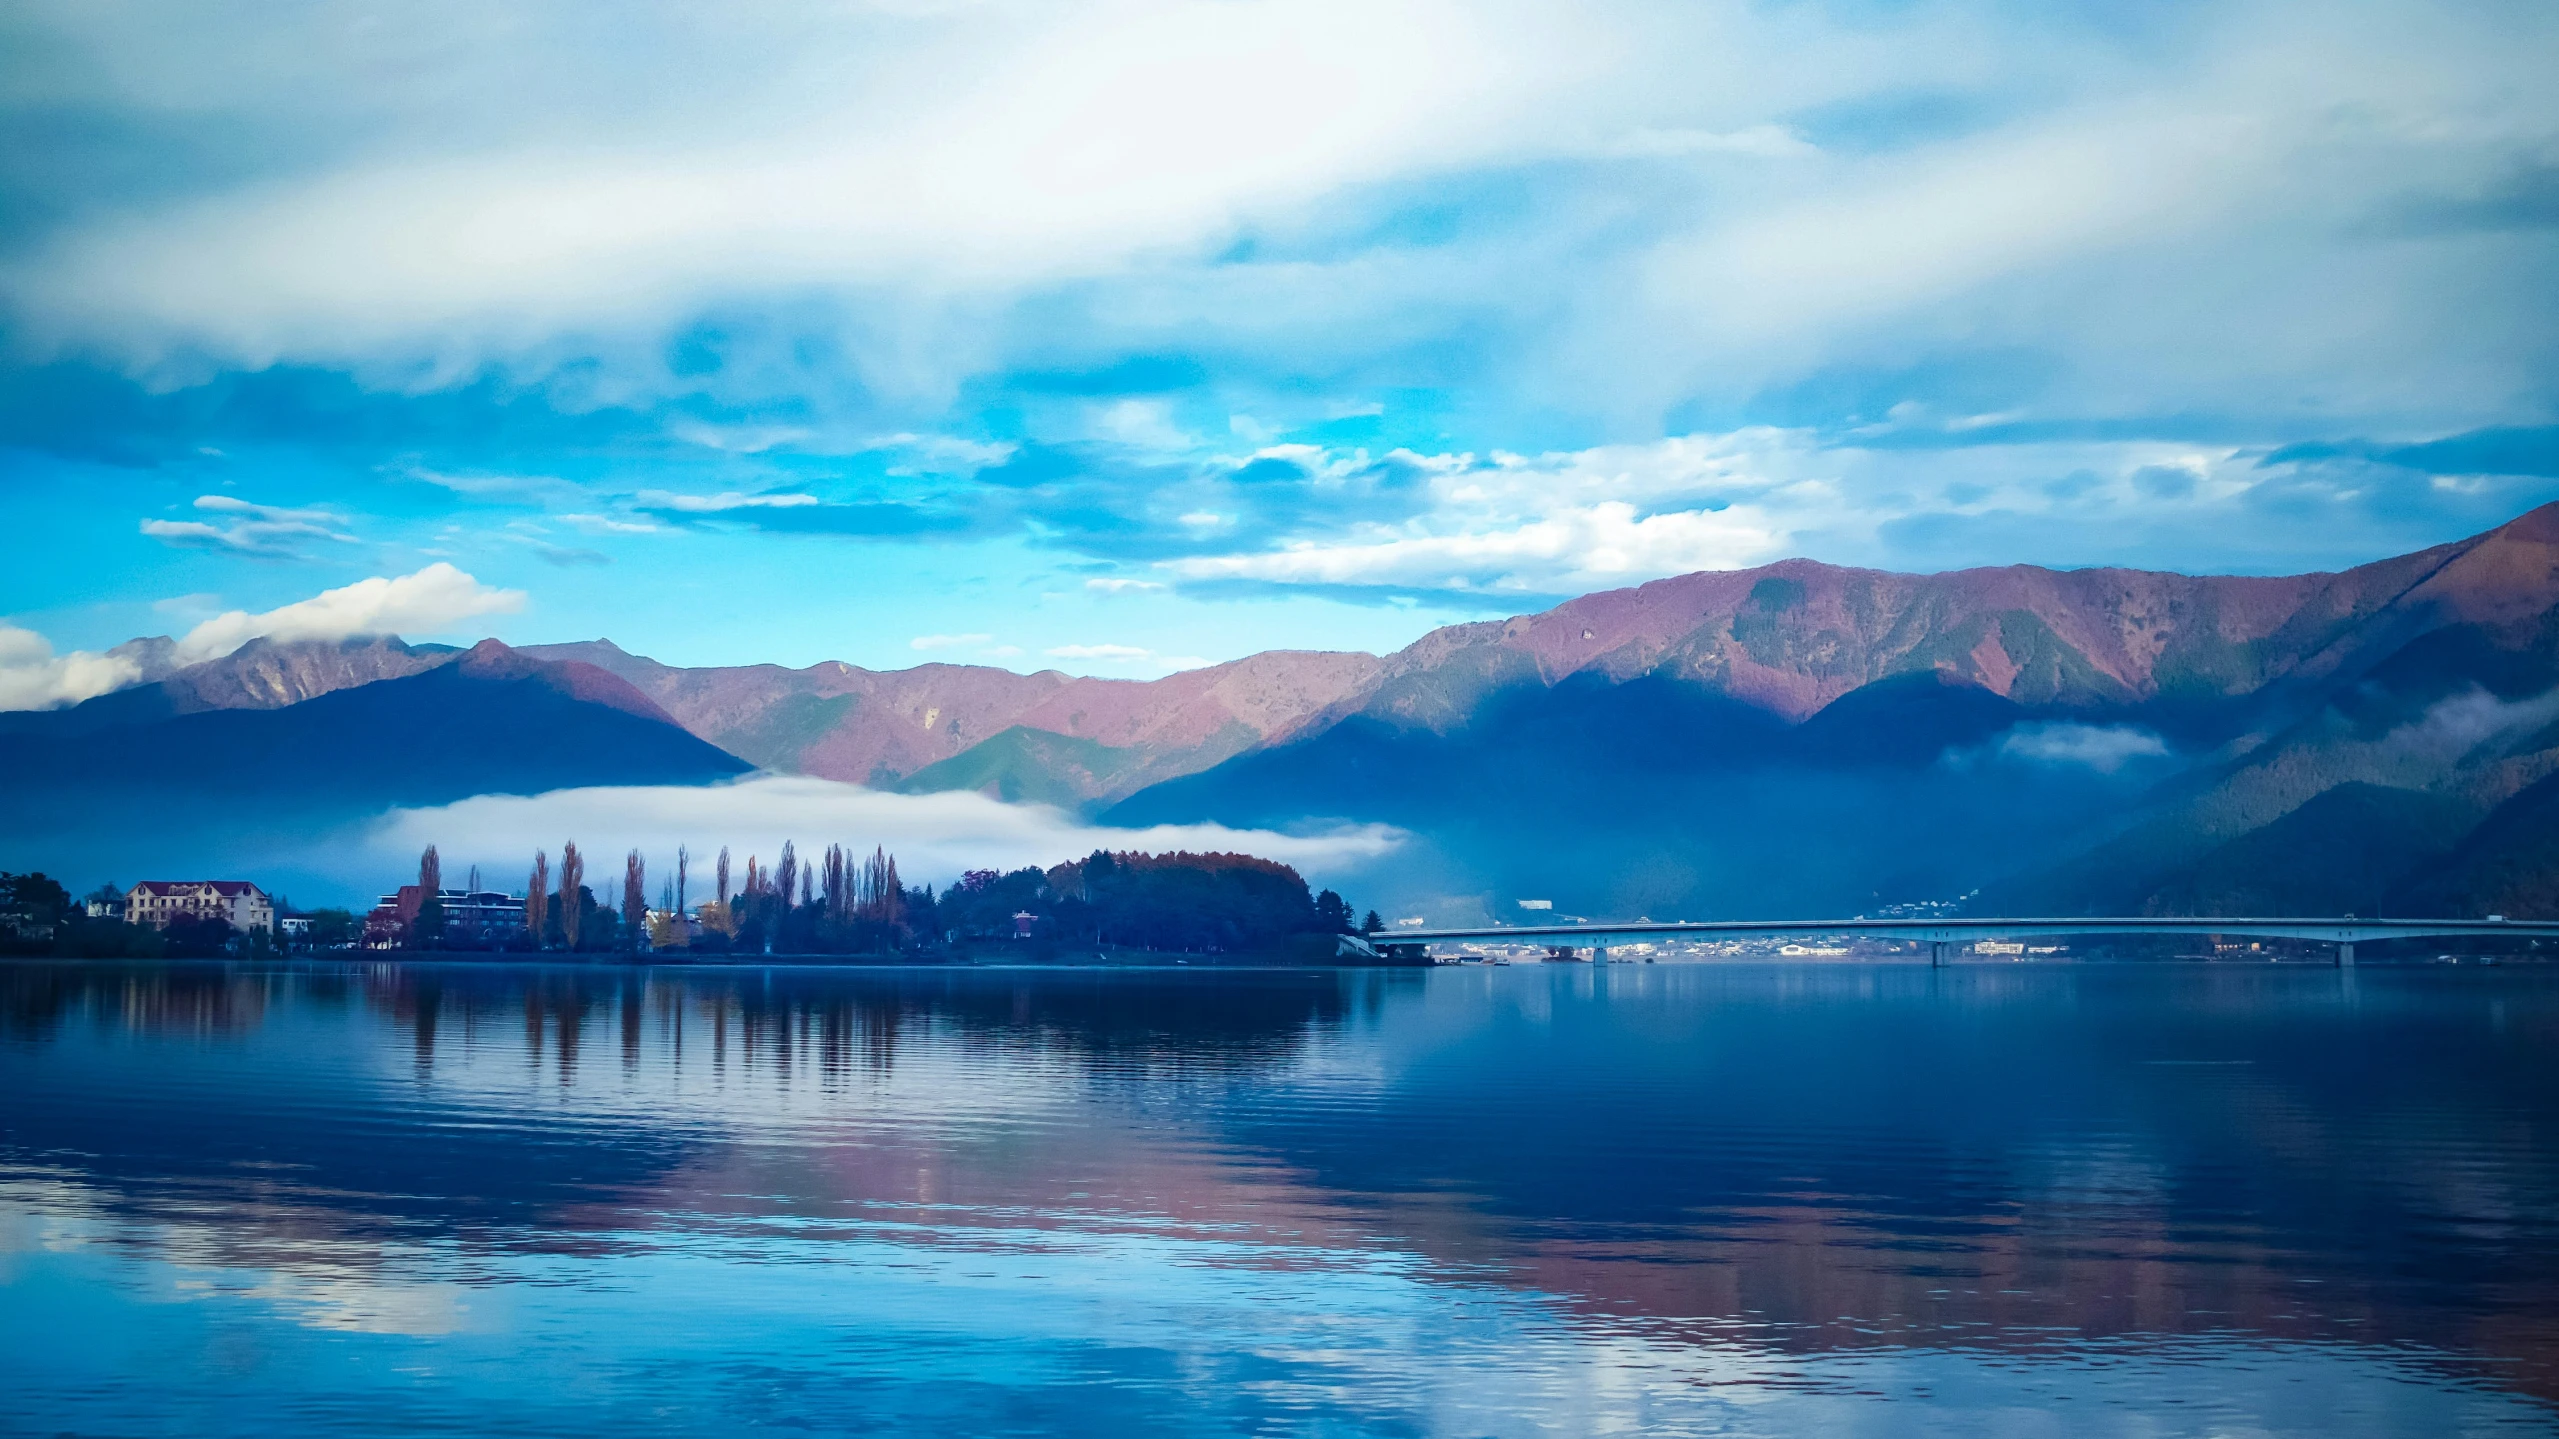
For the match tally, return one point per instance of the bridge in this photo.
(1942, 935)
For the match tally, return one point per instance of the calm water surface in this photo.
(1537, 1200)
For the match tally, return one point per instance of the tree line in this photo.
(844, 902)
(841, 902)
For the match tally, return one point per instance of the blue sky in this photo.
(1127, 336)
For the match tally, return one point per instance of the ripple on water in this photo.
(1703, 1200)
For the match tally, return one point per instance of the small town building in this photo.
(466, 911)
(235, 902)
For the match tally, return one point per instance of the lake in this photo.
(1674, 1199)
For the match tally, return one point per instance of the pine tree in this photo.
(1332, 913)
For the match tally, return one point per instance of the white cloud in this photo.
(943, 454)
(431, 601)
(33, 677)
(502, 489)
(739, 439)
(608, 525)
(1142, 425)
(1766, 142)
(2173, 214)
(935, 836)
(1119, 585)
(259, 531)
(1099, 652)
(2105, 748)
(1128, 659)
(726, 500)
(1573, 521)
(976, 146)
(946, 642)
(1580, 548)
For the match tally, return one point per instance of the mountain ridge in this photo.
(2082, 739)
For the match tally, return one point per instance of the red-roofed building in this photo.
(236, 902)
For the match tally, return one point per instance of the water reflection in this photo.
(1517, 1201)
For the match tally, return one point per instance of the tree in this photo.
(1196, 903)
(666, 930)
(32, 907)
(572, 881)
(683, 861)
(537, 898)
(719, 919)
(1372, 924)
(333, 928)
(635, 899)
(839, 897)
(1332, 913)
(199, 936)
(879, 898)
(724, 877)
(427, 930)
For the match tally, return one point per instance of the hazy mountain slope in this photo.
(2204, 659)
(2348, 850)
(1656, 796)
(2451, 686)
(881, 727)
(1786, 638)
(262, 674)
(1024, 765)
(491, 721)
(2508, 865)
(2432, 674)
(1799, 737)
(1793, 636)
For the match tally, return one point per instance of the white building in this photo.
(237, 902)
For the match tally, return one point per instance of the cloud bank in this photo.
(33, 677)
(1313, 311)
(935, 836)
(431, 601)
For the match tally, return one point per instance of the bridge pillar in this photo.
(1599, 954)
(1936, 954)
(2346, 955)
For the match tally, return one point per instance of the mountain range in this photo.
(1798, 738)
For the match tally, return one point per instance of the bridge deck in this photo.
(2343, 930)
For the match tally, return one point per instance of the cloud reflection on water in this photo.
(1448, 1201)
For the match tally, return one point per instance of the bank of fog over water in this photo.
(1457, 1201)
